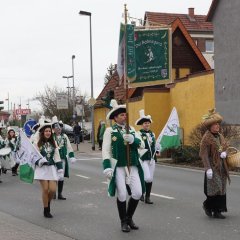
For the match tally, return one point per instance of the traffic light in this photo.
(1, 107)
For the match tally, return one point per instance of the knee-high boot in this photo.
(60, 188)
(123, 215)
(132, 205)
(148, 192)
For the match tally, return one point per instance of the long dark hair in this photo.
(8, 135)
(43, 140)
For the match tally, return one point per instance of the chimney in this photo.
(191, 14)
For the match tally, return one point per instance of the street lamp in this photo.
(67, 77)
(84, 13)
(73, 57)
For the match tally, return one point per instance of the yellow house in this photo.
(192, 92)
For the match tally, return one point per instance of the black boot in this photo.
(14, 169)
(132, 205)
(148, 191)
(60, 188)
(47, 213)
(142, 198)
(123, 215)
(219, 215)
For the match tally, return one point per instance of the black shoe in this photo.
(132, 225)
(14, 174)
(0, 181)
(218, 215)
(125, 227)
(4, 170)
(46, 213)
(60, 197)
(148, 200)
(142, 198)
(207, 211)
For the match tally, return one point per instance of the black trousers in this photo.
(217, 203)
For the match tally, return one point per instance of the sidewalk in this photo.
(12, 228)
(85, 147)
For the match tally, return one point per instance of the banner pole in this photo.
(126, 87)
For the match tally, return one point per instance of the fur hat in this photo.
(10, 129)
(211, 118)
(143, 118)
(116, 109)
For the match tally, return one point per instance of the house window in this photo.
(209, 44)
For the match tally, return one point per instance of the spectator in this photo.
(77, 133)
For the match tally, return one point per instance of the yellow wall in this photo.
(183, 72)
(191, 98)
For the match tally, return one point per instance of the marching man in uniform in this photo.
(115, 164)
(148, 158)
(65, 151)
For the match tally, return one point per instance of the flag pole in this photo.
(126, 86)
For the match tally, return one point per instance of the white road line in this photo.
(154, 194)
(162, 196)
(82, 176)
(85, 159)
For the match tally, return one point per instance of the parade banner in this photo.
(121, 52)
(144, 56)
(152, 57)
(27, 156)
(169, 136)
(130, 53)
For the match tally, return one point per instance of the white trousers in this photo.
(148, 170)
(134, 183)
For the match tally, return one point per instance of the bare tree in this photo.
(111, 69)
(48, 101)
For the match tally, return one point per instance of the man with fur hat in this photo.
(148, 155)
(213, 154)
(116, 167)
(65, 151)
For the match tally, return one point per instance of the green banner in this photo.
(130, 53)
(152, 58)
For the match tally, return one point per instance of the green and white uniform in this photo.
(114, 152)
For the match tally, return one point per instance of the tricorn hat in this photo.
(143, 118)
(116, 109)
(43, 124)
(211, 118)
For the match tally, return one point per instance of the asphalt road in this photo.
(89, 214)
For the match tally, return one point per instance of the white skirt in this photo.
(46, 173)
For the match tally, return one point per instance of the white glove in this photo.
(108, 172)
(43, 161)
(209, 173)
(223, 155)
(72, 159)
(128, 138)
(60, 174)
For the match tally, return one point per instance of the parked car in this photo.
(68, 130)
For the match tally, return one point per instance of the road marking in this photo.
(82, 176)
(162, 196)
(154, 194)
(85, 159)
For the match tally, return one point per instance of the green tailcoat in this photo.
(114, 152)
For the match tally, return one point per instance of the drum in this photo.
(5, 151)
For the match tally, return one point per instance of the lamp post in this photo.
(84, 13)
(67, 77)
(73, 57)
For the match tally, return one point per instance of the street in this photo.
(88, 213)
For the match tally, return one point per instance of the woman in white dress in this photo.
(48, 169)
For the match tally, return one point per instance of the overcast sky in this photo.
(38, 38)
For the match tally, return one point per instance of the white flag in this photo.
(27, 155)
(169, 137)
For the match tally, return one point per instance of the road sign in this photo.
(62, 101)
(22, 111)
